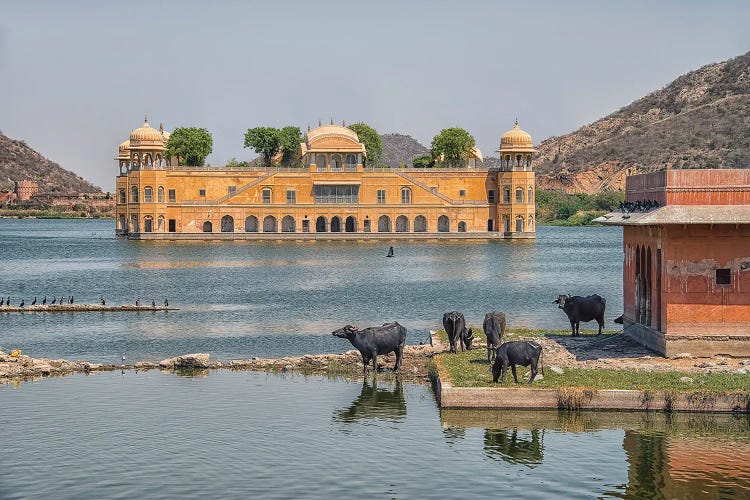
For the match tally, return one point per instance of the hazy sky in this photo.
(76, 77)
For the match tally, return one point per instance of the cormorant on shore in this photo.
(153, 303)
(54, 300)
(137, 302)
(21, 305)
(390, 252)
(166, 303)
(2, 301)
(61, 300)
(71, 300)
(44, 301)
(101, 300)
(7, 301)
(33, 303)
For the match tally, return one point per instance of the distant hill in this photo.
(18, 161)
(401, 149)
(700, 120)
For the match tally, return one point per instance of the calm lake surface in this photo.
(250, 435)
(240, 299)
(243, 434)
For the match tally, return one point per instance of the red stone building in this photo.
(686, 268)
(25, 189)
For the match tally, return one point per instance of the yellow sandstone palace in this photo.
(333, 195)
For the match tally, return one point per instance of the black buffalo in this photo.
(582, 309)
(517, 352)
(455, 327)
(494, 329)
(375, 340)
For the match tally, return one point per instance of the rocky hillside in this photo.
(18, 161)
(401, 149)
(700, 120)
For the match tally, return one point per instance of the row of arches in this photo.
(520, 161)
(143, 161)
(521, 224)
(335, 224)
(148, 195)
(337, 161)
(519, 198)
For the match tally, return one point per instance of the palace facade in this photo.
(335, 194)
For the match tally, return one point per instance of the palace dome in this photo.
(125, 145)
(331, 131)
(515, 138)
(146, 136)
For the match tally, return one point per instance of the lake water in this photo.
(243, 434)
(254, 435)
(244, 299)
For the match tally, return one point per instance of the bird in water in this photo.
(101, 299)
(33, 303)
(390, 252)
(54, 300)
(22, 302)
(166, 303)
(44, 301)
(153, 303)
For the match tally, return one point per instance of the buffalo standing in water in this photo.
(391, 337)
(582, 309)
(455, 327)
(494, 329)
(517, 352)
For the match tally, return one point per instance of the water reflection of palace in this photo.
(333, 193)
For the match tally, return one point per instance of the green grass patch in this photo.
(480, 339)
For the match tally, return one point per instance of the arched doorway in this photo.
(336, 224)
(251, 224)
(160, 224)
(208, 227)
(123, 224)
(320, 161)
(506, 223)
(402, 224)
(462, 227)
(288, 224)
(227, 224)
(444, 224)
(269, 224)
(519, 224)
(148, 224)
(336, 162)
(384, 224)
(530, 227)
(420, 224)
(350, 226)
(320, 224)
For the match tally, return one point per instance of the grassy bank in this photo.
(470, 369)
(559, 208)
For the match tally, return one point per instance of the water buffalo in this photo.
(517, 352)
(455, 327)
(582, 309)
(494, 328)
(375, 340)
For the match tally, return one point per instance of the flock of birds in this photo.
(5, 301)
(638, 206)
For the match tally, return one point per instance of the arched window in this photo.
(506, 223)
(462, 227)
(384, 224)
(336, 162)
(507, 161)
(336, 224)
(519, 195)
(160, 194)
(269, 224)
(321, 225)
(444, 224)
(251, 224)
(148, 224)
(134, 224)
(518, 160)
(122, 196)
(148, 194)
(350, 162)
(530, 197)
(320, 161)
(350, 226)
(160, 225)
(288, 225)
(519, 224)
(136, 161)
(134, 194)
(208, 227)
(227, 224)
(420, 224)
(405, 195)
(402, 224)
